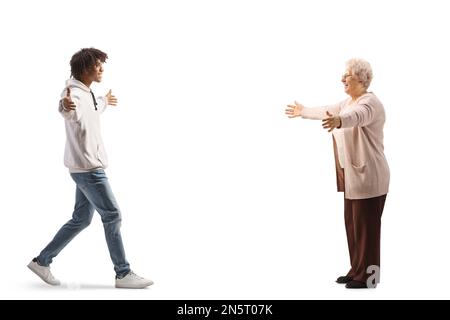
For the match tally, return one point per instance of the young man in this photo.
(85, 157)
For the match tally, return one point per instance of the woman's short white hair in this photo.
(361, 69)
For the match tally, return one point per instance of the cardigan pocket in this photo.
(358, 181)
(359, 169)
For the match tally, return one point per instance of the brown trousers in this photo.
(363, 226)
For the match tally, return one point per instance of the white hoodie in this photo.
(84, 145)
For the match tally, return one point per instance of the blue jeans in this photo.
(93, 193)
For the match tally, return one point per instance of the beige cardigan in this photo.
(366, 171)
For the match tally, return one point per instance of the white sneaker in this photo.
(133, 281)
(44, 273)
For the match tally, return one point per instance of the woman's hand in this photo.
(293, 111)
(331, 122)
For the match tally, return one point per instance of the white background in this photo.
(223, 196)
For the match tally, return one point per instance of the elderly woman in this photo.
(361, 167)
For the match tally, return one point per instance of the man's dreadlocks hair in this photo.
(84, 60)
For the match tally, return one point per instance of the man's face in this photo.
(96, 72)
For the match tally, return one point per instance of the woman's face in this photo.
(351, 83)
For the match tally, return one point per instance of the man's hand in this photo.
(331, 122)
(68, 104)
(293, 111)
(110, 99)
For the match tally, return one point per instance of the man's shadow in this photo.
(72, 286)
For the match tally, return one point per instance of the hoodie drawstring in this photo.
(95, 101)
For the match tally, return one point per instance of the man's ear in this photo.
(87, 72)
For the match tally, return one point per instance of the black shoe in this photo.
(356, 285)
(344, 279)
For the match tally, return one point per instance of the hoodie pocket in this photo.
(98, 155)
